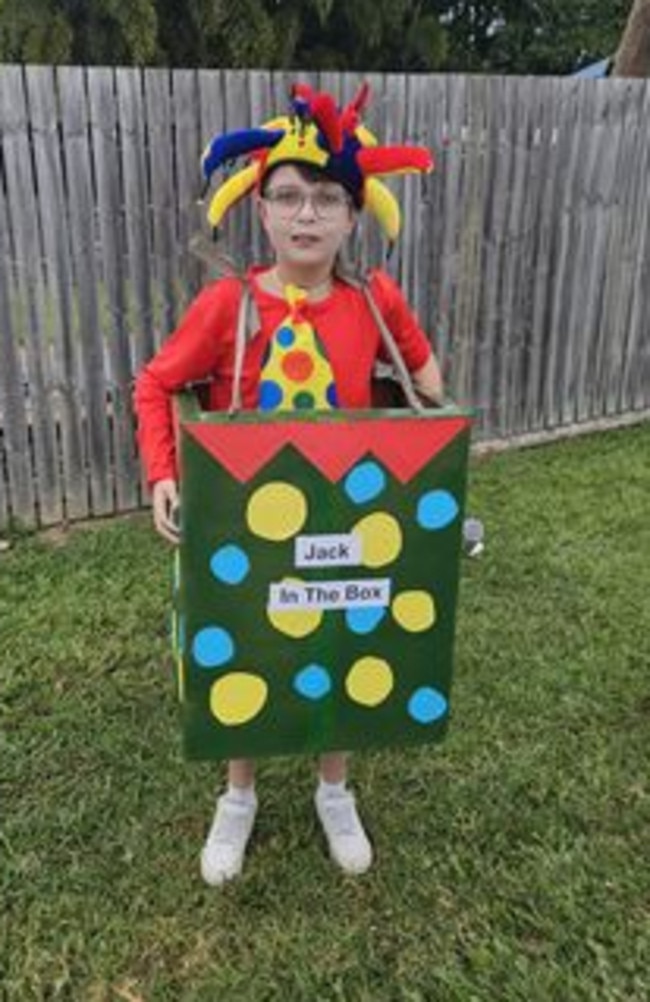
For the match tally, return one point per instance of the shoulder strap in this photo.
(244, 314)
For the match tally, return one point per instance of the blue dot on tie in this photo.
(365, 482)
(270, 395)
(332, 396)
(212, 647)
(427, 705)
(364, 620)
(313, 682)
(230, 564)
(285, 337)
(436, 510)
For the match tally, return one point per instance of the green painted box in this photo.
(316, 580)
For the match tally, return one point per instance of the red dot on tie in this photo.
(297, 366)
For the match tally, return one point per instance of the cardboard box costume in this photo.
(316, 580)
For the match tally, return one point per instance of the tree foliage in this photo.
(531, 36)
(502, 36)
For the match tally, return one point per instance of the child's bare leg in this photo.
(336, 808)
(223, 854)
(241, 772)
(334, 767)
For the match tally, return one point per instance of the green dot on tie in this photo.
(304, 400)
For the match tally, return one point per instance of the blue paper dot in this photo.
(364, 619)
(365, 482)
(270, 395)
(332, 395)
(212, 647)
(313, 682)
(230, 564)
(436, 509)
(427, 705)
(285, 337)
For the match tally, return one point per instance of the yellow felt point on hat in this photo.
(231, 191)
(365, 136)
(380, 201)
(279, 122)
(300, 143)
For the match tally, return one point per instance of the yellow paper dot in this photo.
(276, 511)
(381, 539)
(369, 681)
(414, 610)
(238, 697)
(298, 623)
(295, 622)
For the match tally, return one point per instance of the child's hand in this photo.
(165, 509)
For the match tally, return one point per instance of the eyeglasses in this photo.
(289, 202)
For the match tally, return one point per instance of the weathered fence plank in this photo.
(136, 208)
(211, 123)
(104, 142)
(188, 146)
(236, 105)
(55, 227)
(634, 374)
(629, 184)
(261, 110)
(18, 484)
(81, 208)
(27, 269)
(157, 92)
(544, 227)
(450, 180)
(475, 171)
(499, 110)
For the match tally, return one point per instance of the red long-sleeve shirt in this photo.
(203, 347)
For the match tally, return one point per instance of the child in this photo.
(311, 172)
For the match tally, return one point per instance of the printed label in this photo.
(288, 596)
(335, 550)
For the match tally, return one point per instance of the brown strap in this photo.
(394, 353)
(243, 317)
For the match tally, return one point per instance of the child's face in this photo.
(305, 221)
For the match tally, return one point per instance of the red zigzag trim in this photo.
(403, 446)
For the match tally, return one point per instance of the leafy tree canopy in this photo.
(498, 36)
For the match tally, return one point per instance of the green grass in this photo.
(513, 861)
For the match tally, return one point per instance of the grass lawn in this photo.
(513, 861)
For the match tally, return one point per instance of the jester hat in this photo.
(316, 133)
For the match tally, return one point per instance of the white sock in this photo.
(326, 789)
(244, 795)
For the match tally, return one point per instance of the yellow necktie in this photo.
(296, 373)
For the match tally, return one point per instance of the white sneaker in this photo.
(348, 843)
(223, 854)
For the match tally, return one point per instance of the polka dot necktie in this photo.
(296, 373)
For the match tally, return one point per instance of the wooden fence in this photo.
(527, 252)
